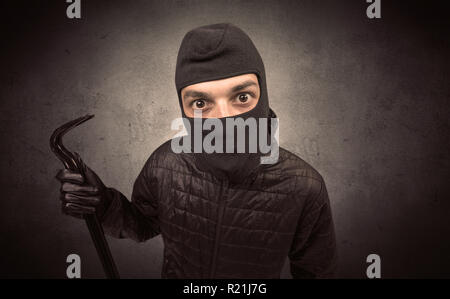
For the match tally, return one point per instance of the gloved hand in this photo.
(82, 195)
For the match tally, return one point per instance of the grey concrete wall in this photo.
(364, 101)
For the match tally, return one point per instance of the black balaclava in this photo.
(215, 52)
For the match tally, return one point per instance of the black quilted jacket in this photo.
(212, 229)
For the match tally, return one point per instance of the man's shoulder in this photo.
(291, 164)
(163, 157)
(162, 151)
(307, 180)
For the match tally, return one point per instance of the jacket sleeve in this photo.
(313, 252)
(138, 219)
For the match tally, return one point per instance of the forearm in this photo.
(314, 252)
(123, 219)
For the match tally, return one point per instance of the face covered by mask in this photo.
(217, 52)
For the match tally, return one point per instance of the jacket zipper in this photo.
(221, 210)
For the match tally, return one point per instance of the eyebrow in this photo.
(243, 86)
(196, 94)
(200, 94)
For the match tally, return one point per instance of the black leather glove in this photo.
(82, 195)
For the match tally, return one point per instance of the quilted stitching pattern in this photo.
(269, 216)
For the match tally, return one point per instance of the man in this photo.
(220, 215)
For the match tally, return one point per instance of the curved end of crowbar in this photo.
(56, 145)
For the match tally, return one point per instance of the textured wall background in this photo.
(364, 101)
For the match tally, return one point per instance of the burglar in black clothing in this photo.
(220, 214)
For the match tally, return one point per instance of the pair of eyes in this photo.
(242, 98)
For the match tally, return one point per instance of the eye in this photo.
(243, 97)
(199, 104)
